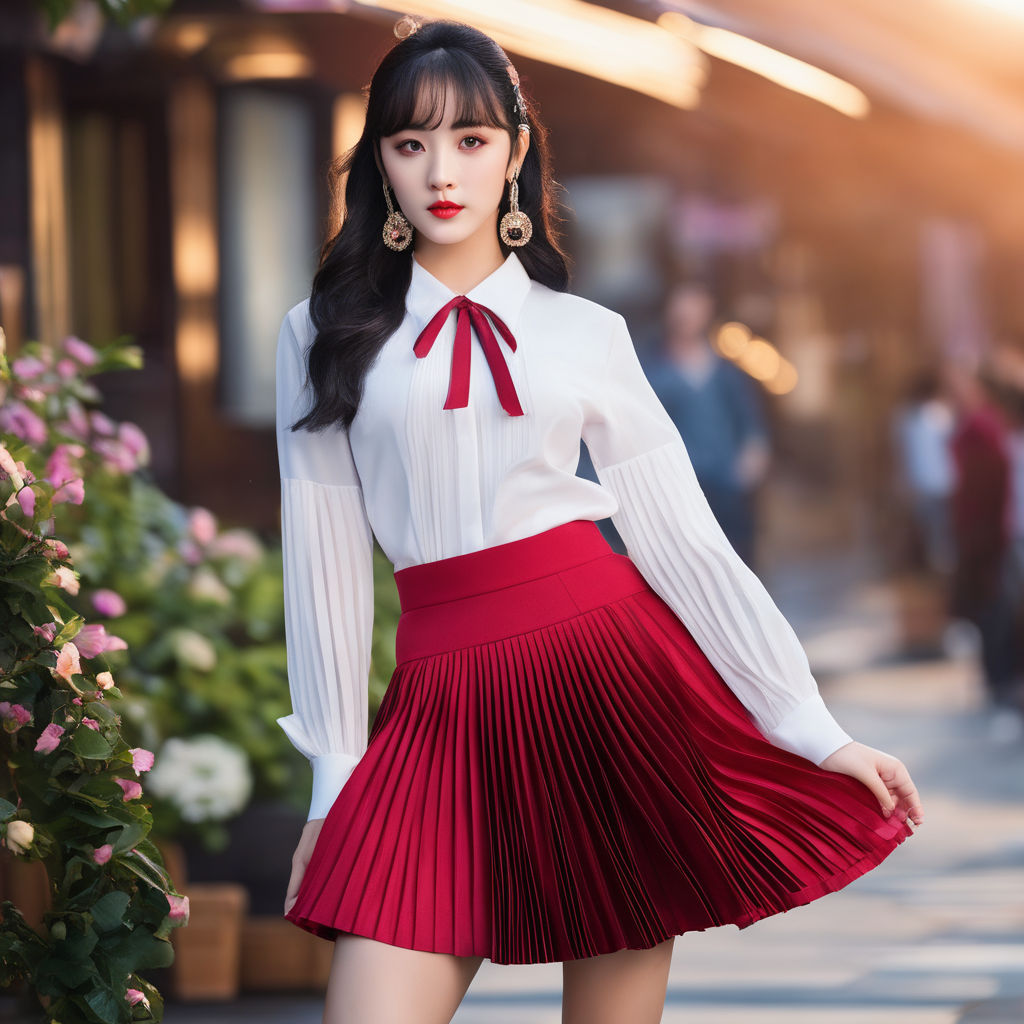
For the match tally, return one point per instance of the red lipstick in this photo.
(444, 209)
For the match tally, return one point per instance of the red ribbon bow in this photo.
(458, 386)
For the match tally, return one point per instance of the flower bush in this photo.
(70, 792)
(189, 615)
(199, 607)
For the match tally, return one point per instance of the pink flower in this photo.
(14, 715)
(65, 578)
(202, 525)
(81, 350)
(59, 467)
(49, 739)
(133, 995)
(27, 501)
(68, 664)
(91, 723)
(31, 394)
(67, 368)
(134, 440)
(47, 631)
(59, 548)
(189, 551)
(27, 367)
(179, 907)
(132, 790)
(237, 543)
(104, 680)
(109, 602)
(115, 454)
(101, 854)
(8, 467)
(75, 700)
(94, 639)
(73, 491)
(102, 424)
(142, 759)
(18, 419)
(77, 424)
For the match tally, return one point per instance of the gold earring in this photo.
(516, 227)
(397, 230)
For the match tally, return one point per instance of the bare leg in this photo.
(629, 984)
(372, 982)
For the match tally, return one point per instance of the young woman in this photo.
(580, 754)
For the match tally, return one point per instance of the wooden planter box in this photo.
(277, 955)
(207, 950)
(271, 954)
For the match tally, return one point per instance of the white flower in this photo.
(193, 649)
(19, 836)
(207, 585)
(205, 777)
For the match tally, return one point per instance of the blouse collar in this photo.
(503, 290)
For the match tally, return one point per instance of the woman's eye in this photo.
(415, 146)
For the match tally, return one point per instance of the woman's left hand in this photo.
(886, 776)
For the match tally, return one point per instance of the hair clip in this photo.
(520, 107)
(407, 25)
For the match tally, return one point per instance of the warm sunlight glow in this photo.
(190, 36)
(630, 52)
(267, 65)
(732, 338)
(756, 356)
(790, 73)
(1004, 6)
(784, 381)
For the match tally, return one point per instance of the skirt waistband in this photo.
(509, 588)
(502, 565)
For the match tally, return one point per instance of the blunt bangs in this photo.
(415, 97)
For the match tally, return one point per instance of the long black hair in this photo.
(358, 295)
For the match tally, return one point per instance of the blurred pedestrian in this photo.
(981, 529)
(717, 409)
(922, 429)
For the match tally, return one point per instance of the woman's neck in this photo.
(461, 265)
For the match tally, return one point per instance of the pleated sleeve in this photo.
(328, 580)
(676, 542)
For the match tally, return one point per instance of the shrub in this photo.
(71, 795)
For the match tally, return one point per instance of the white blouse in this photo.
(430, 483)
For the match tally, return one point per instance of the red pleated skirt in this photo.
(556, 771)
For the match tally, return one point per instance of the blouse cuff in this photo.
(810, 731)
(330, 773)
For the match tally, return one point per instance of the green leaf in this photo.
(101, 711)
(7, 810)
(131, 836)
(31, 570)
(137, 868)
(108, 912)
(105, 1003)
(89, 743)
(55, 974)
(69, 630)
(138, 950)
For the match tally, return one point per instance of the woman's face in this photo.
(466, 166)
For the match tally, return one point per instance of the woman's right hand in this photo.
(310, 832)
